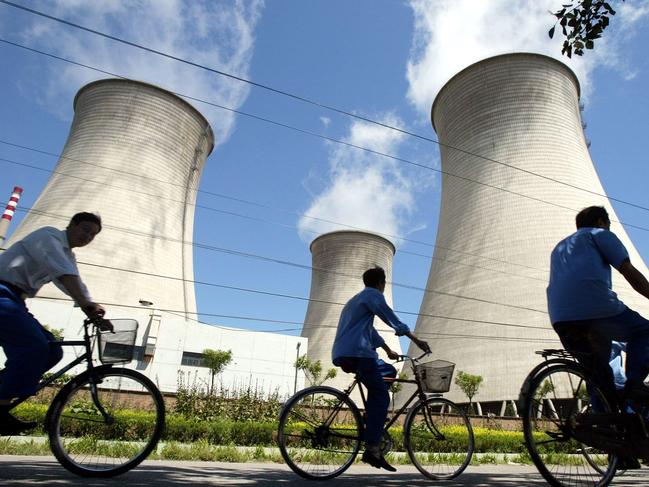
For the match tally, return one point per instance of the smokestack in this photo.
(8, 214)
(135, 153)
(495, 245)
(339, 260)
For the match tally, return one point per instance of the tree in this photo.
(313, 370)
(470, 384)
(582, 21)
(216, 361)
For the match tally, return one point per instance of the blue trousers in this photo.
(370, 373)
(591, 339)
(31, 350)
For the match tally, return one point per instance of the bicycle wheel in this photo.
(110, 432)
(319, 433)
(555, 397)
(439, 438)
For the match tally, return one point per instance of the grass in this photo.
(202, 450)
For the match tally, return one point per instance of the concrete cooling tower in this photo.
(339, 260)
(134, 155)
(499, 224)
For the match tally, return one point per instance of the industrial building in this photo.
(338, 262)
(516, 170)
(134, 155)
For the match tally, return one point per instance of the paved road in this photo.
(44, 471)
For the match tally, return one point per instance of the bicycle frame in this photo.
(418, 394)
(87, 356)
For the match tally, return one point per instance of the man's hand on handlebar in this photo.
(423, 346)
(93, 310)
(392, 355)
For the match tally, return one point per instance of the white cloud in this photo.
(218, 34)
(325, 121)
(452, 34)
(365, 191)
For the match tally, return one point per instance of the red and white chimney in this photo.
(8, 214)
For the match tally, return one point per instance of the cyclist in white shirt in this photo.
(43, 256)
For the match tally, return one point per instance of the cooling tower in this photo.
(339, 260)
(134, 155)
(497, 224)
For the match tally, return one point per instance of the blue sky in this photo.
(381, 59)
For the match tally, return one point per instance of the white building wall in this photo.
(263, 361)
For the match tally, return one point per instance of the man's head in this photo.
(83, 228)
(375, 278)
(593, 217)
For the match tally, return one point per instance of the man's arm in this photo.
(76, 291)
(635, 278)
(420, 343)
(392, 355)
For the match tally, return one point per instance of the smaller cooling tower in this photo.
(339, 260)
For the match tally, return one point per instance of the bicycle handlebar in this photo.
(100, 322)
(403, 358)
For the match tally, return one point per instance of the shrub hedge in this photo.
(264, 433)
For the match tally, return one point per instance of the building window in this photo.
(193, 359)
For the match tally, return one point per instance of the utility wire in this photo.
(338, 141)
(286, 262)
(179, 313)
(312, 102)
(262, 220)
(248, 217)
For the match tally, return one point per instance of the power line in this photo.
(248, 217)
(313, 102)
(240, 200)
(179, 313)
(286, 262)
(338, 141)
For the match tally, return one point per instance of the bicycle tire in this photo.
(439, 438)
(562, 460)
(319, 433)
(88, 444)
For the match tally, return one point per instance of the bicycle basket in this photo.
(436, 375)
(118, 346)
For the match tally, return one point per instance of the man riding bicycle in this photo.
(43, 256)
(354, 351)
(586, 313)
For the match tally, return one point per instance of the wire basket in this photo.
(436, 375)
(118, 346)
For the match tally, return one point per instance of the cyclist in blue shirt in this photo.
(586, 313)
(354, 351)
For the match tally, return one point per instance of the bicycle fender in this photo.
(525, 388)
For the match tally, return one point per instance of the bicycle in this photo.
(105, 420)
(574, 435)
(321, 428)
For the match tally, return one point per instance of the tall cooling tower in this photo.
(493, 245)
(134, 154)
(339, 260)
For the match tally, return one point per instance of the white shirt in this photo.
(42, 256)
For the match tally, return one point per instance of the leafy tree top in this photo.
(582, 21)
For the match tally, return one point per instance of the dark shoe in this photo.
(628, 463)
(10, 426)
(377, 461)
